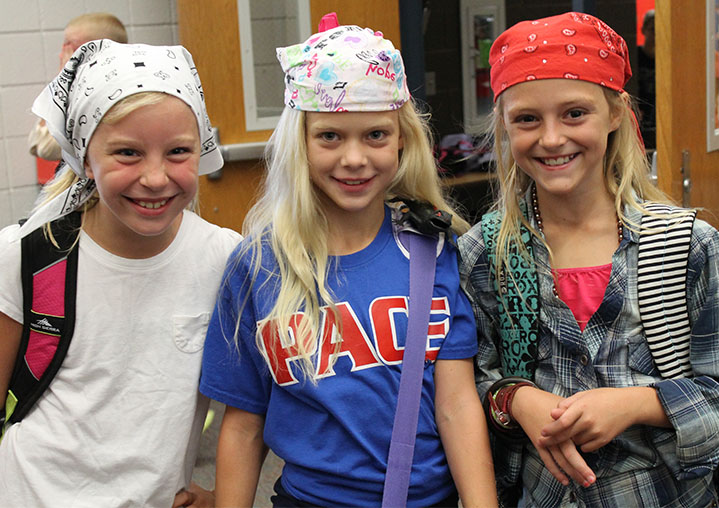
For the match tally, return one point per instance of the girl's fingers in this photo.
(552, 466)
(592, 445)
(565, 403)
(557, 413)
(559, 430)
(576, 467)
(587, 437)
(563, 461)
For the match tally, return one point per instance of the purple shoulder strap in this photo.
(422, 262)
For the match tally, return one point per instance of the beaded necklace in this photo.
(540, 226)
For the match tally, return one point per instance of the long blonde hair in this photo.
(66, 179)
(288, 217)
(626, 176)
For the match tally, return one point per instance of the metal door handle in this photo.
(686, 179)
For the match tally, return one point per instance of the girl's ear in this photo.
(615, 118)
(400, 142)
(498, 114)
(617, 110)
(88, 169)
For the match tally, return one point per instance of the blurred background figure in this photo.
(646, 93)
(84, 28)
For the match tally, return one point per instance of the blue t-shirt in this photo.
(334, 435)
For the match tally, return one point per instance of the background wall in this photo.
(621, 15)
(443, 52)
(31, 34)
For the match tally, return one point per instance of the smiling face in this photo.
(558, 131)
(353, 158)
(145, 166)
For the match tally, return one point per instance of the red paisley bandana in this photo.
(568, 46)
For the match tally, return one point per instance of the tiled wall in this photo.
(31, 33)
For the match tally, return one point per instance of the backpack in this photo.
(664, 242)
(462, 153)
(49, 282)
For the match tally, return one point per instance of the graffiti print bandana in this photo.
(345, 68)
(97, 76)
(568, 46)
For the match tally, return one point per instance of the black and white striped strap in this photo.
(664, 243)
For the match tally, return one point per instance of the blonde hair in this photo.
(99, 25)
(288, 218)
(68, 178)
(626, 177)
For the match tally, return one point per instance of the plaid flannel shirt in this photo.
(643, 466)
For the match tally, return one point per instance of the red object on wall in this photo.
(45, 170)
(642, 7)
(483, 83)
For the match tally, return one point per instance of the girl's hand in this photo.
(194, 497)
(531, 407)
(592, 418)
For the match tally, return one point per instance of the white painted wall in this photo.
(31, 33)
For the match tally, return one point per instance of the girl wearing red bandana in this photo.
(581, 410)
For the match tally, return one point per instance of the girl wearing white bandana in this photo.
(119, 424)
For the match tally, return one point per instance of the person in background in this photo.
(84, 28)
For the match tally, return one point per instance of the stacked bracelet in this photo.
(498, 404)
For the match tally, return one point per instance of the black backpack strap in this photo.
(49, 281)
(424, 218)
(664, 242)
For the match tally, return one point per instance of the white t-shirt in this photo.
(120, 423)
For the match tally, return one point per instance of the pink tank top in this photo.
(582, 289)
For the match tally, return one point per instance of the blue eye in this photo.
(376, 135)
(329, 136)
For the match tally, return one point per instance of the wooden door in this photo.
(682, 103)
(210, 31)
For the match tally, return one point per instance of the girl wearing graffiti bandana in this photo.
(306, 344)
(584, 409)
(119, 424)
